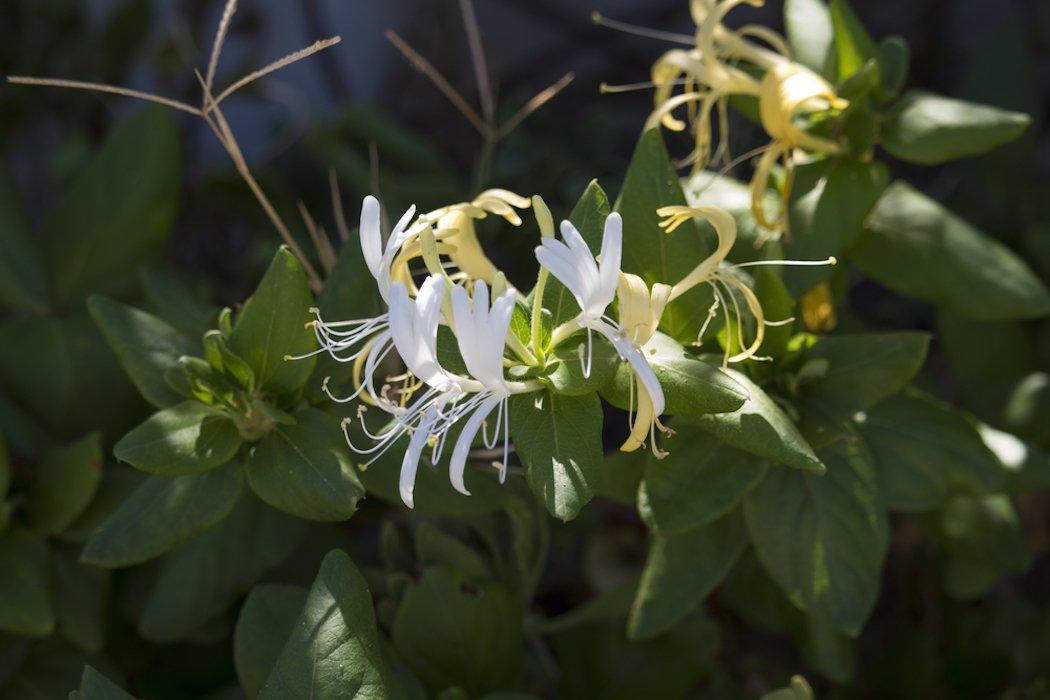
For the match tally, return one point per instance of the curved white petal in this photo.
(611, 254)
(457, 466)
(371, 235)
(629, 352)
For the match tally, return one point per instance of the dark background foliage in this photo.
(332, 110)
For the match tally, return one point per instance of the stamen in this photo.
(831, 260)
(634, 29)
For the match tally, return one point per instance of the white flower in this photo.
(481, 334)
(379, 261)
(594, 284)
(413, 333)
(366, 341)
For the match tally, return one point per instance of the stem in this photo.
(537, 316)
(520, 350)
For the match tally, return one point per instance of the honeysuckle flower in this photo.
(788, 90)
(591, 282)
(594, 284)
(455, 228)
(427, 414)
(481, 333)
(365, 341)
(723, 62)
(640, 310)
(725, 279)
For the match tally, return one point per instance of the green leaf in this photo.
(621, 476)
(146, 345)
(564, 372)
(115, 485)
(823, 539)
(926, 451)
(23, 285)
(930, 129)
(854, 46)
(681, 570)
(435, 547)
(559, 441)
(798, 690)
(810, 34)
(170, 299)
(828, 219)
(700, 480)
(656, 256)
(95, 686)
(162, 513)
(119, 211)
(863, 369)
(49, 671)
(266, 621)
(334, 648)
(588, 216)
(272, 325)
(25, 601)
(600, 662)
(893, 60)
(450, 634)
(305, 469)
(690, 385)
(200, 580)
(1027, 408)
(188, 438)
(760, 427)
(81, 597)
(64, 484)
(982, 541)
(985, 373)
(777, 305)
(919, 249)
(61, 372)
(224, 360)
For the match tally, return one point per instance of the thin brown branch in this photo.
(477, 56)
(101, 87)
(220, 38)
(541, 98)
(320, 240)
(227, 139)
(278, 65)
(422, 65)
(337, 207)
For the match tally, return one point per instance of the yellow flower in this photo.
(640, 311)
(788, 91)
(713, 70)
(456, 231)
(725, 280)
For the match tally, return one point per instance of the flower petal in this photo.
(457, 466)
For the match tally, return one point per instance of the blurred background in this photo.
(327, 110)
(363, 110)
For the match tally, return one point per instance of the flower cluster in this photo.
(463, 291)
(722, 62)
